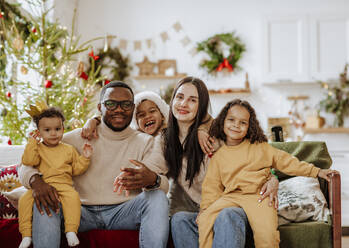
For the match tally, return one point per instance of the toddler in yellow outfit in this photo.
(57, 162)
(237, 183)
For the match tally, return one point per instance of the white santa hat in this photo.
(151, 96)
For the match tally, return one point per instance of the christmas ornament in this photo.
(146, 68)
(81, 66)
(34, 30)
(95, 57)
(8, 94)
(1, 16)
(83, 75)
(76, 123)
(18, 43)
(225, 50)
(24, 70)
(106, 82)
(48, 84)
(9, 142)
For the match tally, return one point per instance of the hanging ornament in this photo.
(48, 84)
(9, 142)
(3, 112)
(34, 30)
(84, 76)
(76, 123)
(8, 94)
(18, 43)
(1, 14)
(84, 101)
(95, 57)
(24, 70)
(106, 82)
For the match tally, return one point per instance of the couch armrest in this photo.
(334, 191)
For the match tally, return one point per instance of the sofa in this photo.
(307, 233)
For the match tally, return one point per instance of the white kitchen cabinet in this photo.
(305, 48)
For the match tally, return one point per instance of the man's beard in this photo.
(115, 129)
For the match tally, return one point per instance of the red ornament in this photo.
(95, 57)
(106, 82)
(34, 30)
(48, 84)
(1, 16)
(8, 94)
(83, 75)
(225, 64)
(9, 142)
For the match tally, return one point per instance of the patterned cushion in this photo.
(300, 199)
(8, 181)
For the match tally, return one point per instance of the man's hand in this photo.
(89, 130)
(270, 189)
(46, 195)
(205, 142)
(326, 173)
(138, 178)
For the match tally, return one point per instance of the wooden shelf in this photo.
(152, 77)
(290, 84)
(230, 91)
(327, 130)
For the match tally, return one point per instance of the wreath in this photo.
(225, 50)
(119, 70)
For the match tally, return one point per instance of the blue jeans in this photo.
(229, 229)
(147, 212)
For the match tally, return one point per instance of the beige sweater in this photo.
(111, 151)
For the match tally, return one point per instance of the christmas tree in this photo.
(37, 46)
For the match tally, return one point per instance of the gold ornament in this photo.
(18, 43)
(75, 124)
(24, 70)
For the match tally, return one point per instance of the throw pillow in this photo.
(300, 199)
(8, 181)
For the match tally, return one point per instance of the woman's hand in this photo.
(205, 142)
(89, 130)
(270, 188)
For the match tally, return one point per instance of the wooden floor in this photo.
(345, 242)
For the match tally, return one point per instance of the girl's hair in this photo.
(155, 98)
(254, 133)
(49, 113)
(173, 150)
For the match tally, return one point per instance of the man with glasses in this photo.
(117, 149)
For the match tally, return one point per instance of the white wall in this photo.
(140, 20)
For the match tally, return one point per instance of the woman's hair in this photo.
(173, 150)
(155, 98)
(49, 113)
(254, 133)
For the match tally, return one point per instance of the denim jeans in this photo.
(147, 212)
(229, 229)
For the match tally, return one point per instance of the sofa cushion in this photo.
(312, 234)
(301, 199)
(8, 181)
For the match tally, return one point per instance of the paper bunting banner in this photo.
(193, 51)
(123, 44)
(185, 41)
(149, 43)
(137, 45)
(164, 36)
(177, 26)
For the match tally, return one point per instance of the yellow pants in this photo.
(262, 218)
(71, 206)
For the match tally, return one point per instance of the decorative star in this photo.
(146, 67)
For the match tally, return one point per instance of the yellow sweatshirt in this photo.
(57, 164)
(246, 167)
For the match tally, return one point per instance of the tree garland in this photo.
(219, 57)
(119, 71)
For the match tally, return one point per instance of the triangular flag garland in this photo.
(164, 36)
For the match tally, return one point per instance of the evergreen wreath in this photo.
(119, 71)
(219, 58)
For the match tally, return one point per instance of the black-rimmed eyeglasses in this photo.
(112, 105)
